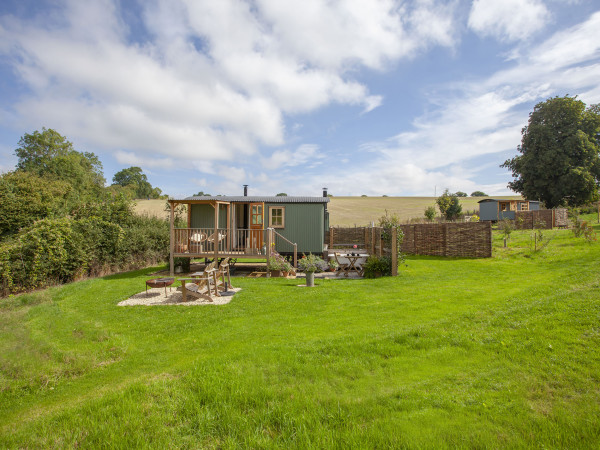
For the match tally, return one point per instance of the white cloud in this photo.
(481, 117)
(215, 79)
(131, 159)
(508, 20)
(286, 158)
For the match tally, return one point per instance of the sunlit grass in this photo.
(452, 353)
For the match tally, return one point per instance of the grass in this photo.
(499, 352)
(350, 211)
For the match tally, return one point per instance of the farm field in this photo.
(488, 353)
(350, 211)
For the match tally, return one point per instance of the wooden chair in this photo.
(222, 272)
(198, 288)
(196, 241)
(215, 240)
(343, 264)
(210, 275)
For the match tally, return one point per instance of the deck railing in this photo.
(204, 240)
(284, 245)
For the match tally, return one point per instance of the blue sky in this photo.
(376, 97)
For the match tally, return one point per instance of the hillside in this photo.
(350, 211)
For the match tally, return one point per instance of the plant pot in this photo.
(310, 279)
(284, 274)
(178, 269)
(275, 273)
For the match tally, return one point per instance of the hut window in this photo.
(524, 206)
(504, 206)
(277, 217)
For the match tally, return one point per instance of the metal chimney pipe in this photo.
(324, 192)
(245, 190)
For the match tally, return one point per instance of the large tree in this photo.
(559, 162)
(134, 177)
(52, 156)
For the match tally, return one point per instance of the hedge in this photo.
(54, 251)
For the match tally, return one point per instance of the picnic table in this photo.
(352, 264)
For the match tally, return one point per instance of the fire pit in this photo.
(158, 283)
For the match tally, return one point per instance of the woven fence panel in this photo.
(348, 236)
(408, 243)
(465, 239)
(429, 239)
(531, 218)
(561, 218)
(468, 239)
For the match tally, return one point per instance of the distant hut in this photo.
(496, 209)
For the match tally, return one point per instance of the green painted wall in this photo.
(304, 225)
(203, 216)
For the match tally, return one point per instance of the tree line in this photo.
(58, 221)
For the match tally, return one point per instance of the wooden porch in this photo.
(223, 241)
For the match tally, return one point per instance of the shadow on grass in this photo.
(439, 258)
(134, 273)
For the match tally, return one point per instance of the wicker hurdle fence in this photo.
(468, 239)
(543, 218)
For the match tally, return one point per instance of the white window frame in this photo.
(273, 208)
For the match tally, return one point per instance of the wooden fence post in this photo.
(268, 251)
(394, 245)
(295, 256)
(172, 238)
(330, 238)
(372, 240)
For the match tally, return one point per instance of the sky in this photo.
(378, 97)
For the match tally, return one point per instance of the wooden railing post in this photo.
(330, 238)
(295, 256)
(269, 236)
(172, 239)
(394, 245)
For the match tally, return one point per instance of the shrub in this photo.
(507, 227)
(312, 263)
(377, 266)
(449, 205)
(387, 222)
(582, 229)
(62, 250)
(430, 213)
(184, 263)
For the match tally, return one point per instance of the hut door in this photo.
(256, 225)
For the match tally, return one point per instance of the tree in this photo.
(478, 194)
(52, 156)
(449, 205)
(460, 194)
(559, 162)
(202, 194)
(281, 194)
(430, 213)
(134, 177)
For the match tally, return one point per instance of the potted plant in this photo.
(333, 265)
(276, 264)
(286, 269)
(309, 265)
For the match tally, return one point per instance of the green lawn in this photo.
(501, 352)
